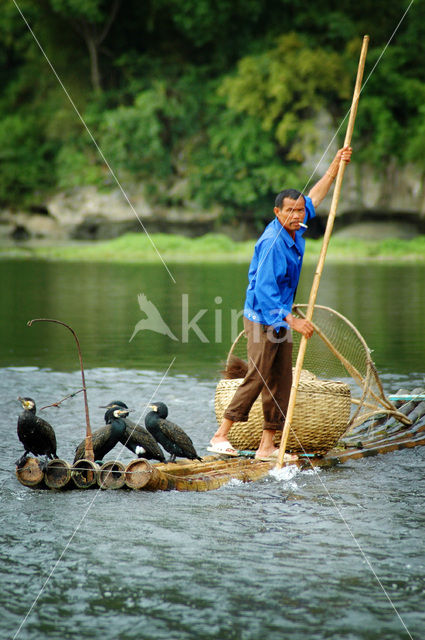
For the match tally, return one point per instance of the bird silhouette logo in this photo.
(153, 321)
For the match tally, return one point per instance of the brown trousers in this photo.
(269, 373)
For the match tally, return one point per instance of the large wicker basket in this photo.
(321, 415)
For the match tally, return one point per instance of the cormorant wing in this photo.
(99, 438)
(176, 434)
(135, 430)
(47, 432)
(146, 440)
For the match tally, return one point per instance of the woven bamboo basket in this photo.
(321, 416)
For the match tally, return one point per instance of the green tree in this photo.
(92, 19)
(261, 125)
(391, 106)
(235, 166)
(285, 88)
(26, 158)
(145, 77)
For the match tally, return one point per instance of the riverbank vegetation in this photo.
(210, 248)
(209, 102)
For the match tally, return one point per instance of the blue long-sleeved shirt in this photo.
(274, 272)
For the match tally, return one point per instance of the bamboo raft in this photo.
(378, 436)
(140, 474)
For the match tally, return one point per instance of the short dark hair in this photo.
(292, 194)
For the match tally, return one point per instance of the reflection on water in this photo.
(274, 559)
(203, 310)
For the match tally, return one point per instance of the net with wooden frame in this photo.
(325, 408)
(336, 349)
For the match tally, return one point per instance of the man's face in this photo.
(291, 214)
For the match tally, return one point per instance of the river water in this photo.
(329, 554)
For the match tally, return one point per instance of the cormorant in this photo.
(137, 438)
(169, 435)
(37, 435)
(105, 438)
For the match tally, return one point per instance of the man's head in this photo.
(290, 209)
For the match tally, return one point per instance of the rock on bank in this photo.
(394, 196)
(87, 213)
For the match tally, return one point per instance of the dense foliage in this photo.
(214, 102)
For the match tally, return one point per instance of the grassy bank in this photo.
(138, 247)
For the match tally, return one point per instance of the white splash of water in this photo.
(285, 474)
(311, 472)
(234, 482)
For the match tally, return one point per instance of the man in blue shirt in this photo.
(273, 279)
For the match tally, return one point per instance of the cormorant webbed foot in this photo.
(22, 460)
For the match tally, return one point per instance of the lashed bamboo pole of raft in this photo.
(388, 437)
(30, 474)
(373, 450)
(57, 474)
(321, 262)
(89, 455)
(111, 475)
(141, 474)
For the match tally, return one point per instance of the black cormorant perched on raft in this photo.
(169, 435)
(37, 435)
(105, 438)
(137, 438)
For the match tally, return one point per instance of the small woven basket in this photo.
(321, 415)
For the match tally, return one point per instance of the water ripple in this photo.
(273, 559)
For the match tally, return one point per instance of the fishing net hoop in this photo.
(372, 400)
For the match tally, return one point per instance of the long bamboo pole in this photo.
(321, 261)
